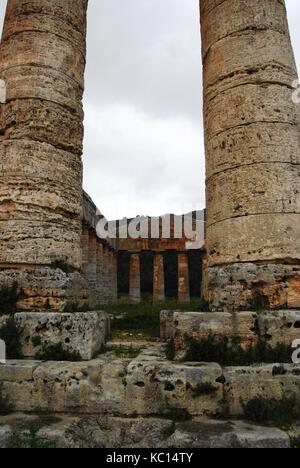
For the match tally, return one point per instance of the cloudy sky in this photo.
(143, 148)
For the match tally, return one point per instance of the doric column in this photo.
(183, 278)
(42, 62)
(100, 266)
(252, 154)
(158, 278)
(135, 278)
(92, 267)
(112, 283)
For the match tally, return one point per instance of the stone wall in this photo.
(146, 386)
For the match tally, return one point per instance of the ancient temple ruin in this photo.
(49, 244)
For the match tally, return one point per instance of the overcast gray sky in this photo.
(143, 148)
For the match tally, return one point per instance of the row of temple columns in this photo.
(99, 267)
(159, 295)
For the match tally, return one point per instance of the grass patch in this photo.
(9, 297)
(227, 354)
(144, 318)
(282, 412)
(58, 353)
(126, 353)
(11, 335)
(30, 439)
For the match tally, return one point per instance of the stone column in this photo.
(135, 278)
(99, 287)
(85, 249)
(204, 279)
(92, 267)
(42, 62)
(183, 278)
(252, 154)
(158, 278)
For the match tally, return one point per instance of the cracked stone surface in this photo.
(252, 153)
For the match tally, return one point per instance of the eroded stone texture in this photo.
(82, 333)
(107, 432)
(42, 64)
(46, 288)
(252, 153)
(274, 328)
(200, 326)
(146, 386)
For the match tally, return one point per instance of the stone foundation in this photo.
(45, 288)
(146, 386)
(65, 431)
(276, 327)
(244, 286)
(82, 333)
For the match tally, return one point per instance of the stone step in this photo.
(63, 431)
(276, 327)
(144, 386)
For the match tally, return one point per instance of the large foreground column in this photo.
(252, 155)
(42, 61)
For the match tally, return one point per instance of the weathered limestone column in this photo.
(85, 234)
(252, 155)
(135, 278)
(183, 278)
(159, 295)
(92, 267)
(100, 266)
(114, 261)
(42, 62)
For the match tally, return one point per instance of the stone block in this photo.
(200, 325)
(242, 384)
(84, 333)
(282, 326)
(17, 371)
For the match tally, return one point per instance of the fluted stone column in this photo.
(42, 61)
(252, 155)
(100, 266)
(92, 267)
(85, 249)
(135, 278)
(112, 283)
(159, 295)
(183, 278)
